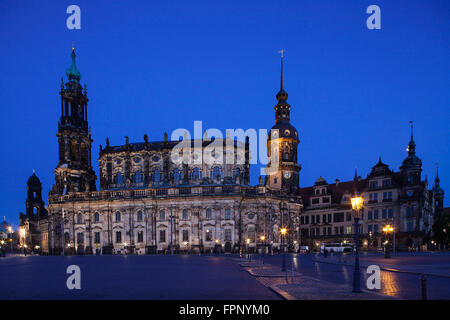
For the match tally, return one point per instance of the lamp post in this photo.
(283, 232)
(387, 229)
(357, 205)
(248, 248)
(10, 229)
(22, 238)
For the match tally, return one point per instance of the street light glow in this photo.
(357, 203)
(283, 231)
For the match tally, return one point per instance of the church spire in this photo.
(73, 73)
(412, 145)
(282, 95)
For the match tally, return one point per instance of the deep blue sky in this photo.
(154, 66)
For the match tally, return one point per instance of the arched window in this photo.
(119, 178)
(79, 218)
(139, 216)
(96, 217)
(196, 174)
(176, 175)
(185, 214)
(156, 176)
(117, 216)
(162, 215)
(208, 213)
(216, 173)
(138, 177)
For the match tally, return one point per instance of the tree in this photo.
(441, 229)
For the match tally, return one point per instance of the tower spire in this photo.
(281, 79)
(412, 145)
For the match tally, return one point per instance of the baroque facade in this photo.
(189, 196)
(148, 200)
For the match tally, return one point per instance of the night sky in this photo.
(154, 66)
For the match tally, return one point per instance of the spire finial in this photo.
(34, 171)
(437, 170)
(281, 52)
(356, 175)
(411, 124)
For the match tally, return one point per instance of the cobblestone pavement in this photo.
(399, 285)
(294, 285)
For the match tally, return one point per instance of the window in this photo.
(409, 212)
(138, 177)
(195, 174)
(324, 231)
(96, 217)
(162, 235)
(326, 200)
(329, 218)
(208, 214)
(384, 213)
(369, 215)
(140, 236)
(118, 236)
(96, 237)
(156, 176)
(227, 234)
(341, 229)
(373, 184)
(251, 233)
(176, 175)
(339, 217)
(79, 218)
(117, 216)
(318, 219)
(375, 214)
(391, 213)
(315, 201)
(302, 220)
(348, 229)
(386, 183)
(162, 215)
(139, 216)
(369, 228)
(208, 235)
(409, 226)
(227, 214)
(216, 173)
(387, 195)
(313, 219)
(375, 228)
(410, 179)
(324, 218)
(307, 220)
(317, 191)
(185, 235)
(80, 238)
(185, 214)
(119, 178)
(329, 230)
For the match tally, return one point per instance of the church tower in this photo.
(411, 168)
(74, 172)
(283, 169)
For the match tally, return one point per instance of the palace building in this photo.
(149, 202)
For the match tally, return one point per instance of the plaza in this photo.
(212, 277)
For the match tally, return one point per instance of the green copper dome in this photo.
(73, 73)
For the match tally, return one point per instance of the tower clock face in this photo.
(287, 175)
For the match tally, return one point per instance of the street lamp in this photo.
(283, 232)
(10, 230)
(22, 237)
(387, 229)
(357, 205)
(248, 248)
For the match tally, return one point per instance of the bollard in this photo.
(423, 281)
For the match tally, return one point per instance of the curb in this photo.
(283, 294)
(282, 275)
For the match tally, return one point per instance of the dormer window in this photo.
(317, 191)
(373, 184)
(386, 182)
